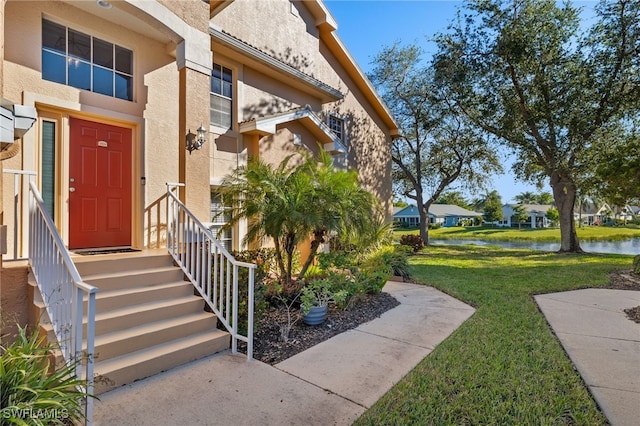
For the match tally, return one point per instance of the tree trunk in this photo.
(564, 194)
(424, 224)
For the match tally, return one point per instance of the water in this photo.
(631, 246)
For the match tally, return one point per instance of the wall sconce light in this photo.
(193, 141)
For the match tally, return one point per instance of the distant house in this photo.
(536, 216)
(452, 215)
(406, 217)
(591, 214)
(443, 214)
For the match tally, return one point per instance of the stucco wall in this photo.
(294, 39)
(153, 114)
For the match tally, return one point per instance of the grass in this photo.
(503, 365)
(587, 233)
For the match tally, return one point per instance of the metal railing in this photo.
(63, 293)
(20, 188)
(211, 269)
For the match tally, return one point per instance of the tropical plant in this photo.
(288, 203)
(553, 216)
(34, 393)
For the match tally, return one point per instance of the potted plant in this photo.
(315, 299)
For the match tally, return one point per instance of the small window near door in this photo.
(48, 165)
(220, 215)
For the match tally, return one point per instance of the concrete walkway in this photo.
(603, 344)
(331, 383)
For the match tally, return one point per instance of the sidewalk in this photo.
(603, 344)
(333, 382)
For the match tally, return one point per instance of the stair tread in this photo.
(126, 273)
(140, 307)
(140, 289)
(147, 354)
(150, 327)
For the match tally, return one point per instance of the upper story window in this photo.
(221, 96)
(336, 124)
(76, 59)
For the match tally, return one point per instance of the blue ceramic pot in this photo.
(316, 316)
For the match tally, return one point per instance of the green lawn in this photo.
(503, 365)
(592, 233)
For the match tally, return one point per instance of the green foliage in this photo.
(492, 207)
(454, 198)
(322, 291)
(395, 257)
(553, 216)
(30, 392)
(520, 214)
(548, 89)
(412, 240)
(636, 264)
(437, 148)
(288, 203)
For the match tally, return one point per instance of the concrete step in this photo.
(135, 278)
(105, 263)
(117, 343)
(131, 316)
(120, 298)
(119, 371)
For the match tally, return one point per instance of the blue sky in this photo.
(365, 26)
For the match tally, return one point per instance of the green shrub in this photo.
(412, 240)
(31, 393)
(636, 264)
(371, 281)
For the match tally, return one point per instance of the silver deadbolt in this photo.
(72, 180)
(72, 189)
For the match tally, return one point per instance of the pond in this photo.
(630, 246)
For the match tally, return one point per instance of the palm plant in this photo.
(288, 203)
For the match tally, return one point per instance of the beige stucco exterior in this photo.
(284, 55)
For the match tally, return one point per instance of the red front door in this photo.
(99, 185)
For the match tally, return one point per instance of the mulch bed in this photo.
(626, 280)
(270, 348)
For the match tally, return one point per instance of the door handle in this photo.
(72, 189)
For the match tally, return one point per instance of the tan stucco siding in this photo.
(153, 114)
(270, 26)
(294, 39)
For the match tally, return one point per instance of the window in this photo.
(221, 96)
(220, 214)
(76, 59)
(336, 124)
(48, 165)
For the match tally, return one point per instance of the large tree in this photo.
(438, 147)
(526, 72)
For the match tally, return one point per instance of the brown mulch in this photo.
(626, 280)
(270, 348)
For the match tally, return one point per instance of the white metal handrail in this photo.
(63, 293)
(212, 270)
(19, 205)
